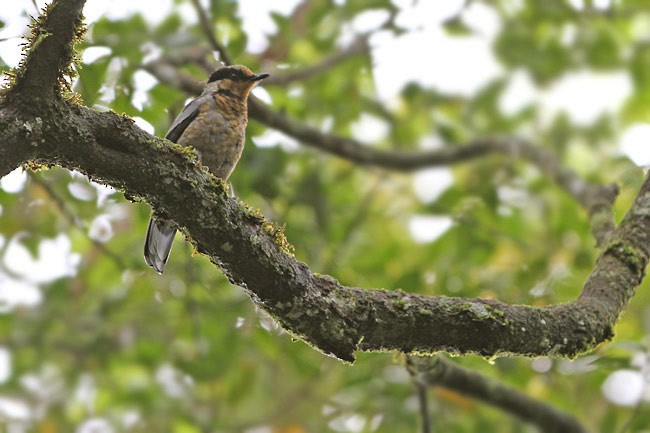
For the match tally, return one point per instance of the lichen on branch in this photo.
(333, 318)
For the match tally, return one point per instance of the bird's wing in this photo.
(188, 114)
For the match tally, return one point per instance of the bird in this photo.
(215, 125)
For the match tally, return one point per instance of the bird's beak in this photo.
(258, 77)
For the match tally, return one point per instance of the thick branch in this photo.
(11, 149)
(438, 371)
(49, 52)
(333, 318)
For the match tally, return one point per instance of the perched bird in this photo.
(215, 125)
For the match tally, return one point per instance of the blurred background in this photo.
(92, 341)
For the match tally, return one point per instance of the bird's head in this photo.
(237, 80)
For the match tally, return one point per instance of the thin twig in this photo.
(70, 216)
(422, 393)
(359, 46)
(206, 25)
(424, 408)
(437, 371)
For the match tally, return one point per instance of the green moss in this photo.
(274, 230)
(35, 37)
(186, 151)
(134, 198)
(401, 302)
(483, 312)
(38, 36)
(35, 166)
(633, 258)
(68, 74)
(277, 233)
(250, 213)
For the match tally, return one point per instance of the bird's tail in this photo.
(158, 244)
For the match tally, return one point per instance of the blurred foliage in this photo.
(118, 348)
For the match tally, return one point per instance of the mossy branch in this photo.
(47, 67)
(333, 318)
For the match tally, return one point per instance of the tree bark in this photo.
(253, 253)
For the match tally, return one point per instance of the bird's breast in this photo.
(218, 135)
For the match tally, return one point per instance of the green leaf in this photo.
(91, 78)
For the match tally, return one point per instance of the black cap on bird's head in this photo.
(236, 73)
(236, 81)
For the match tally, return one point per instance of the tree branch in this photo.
(333, 318)
(252, 253)
(597, 200)
(206, 25)
(421, 389)
(437, 371)
(72, 219)
(357, 47)
(49, 52)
